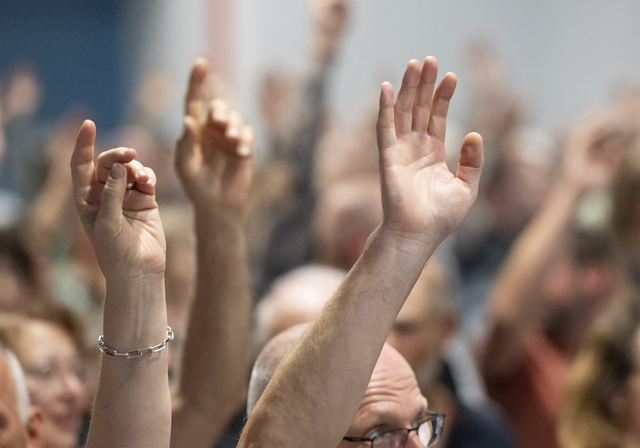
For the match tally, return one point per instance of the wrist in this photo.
(214, 219)
(415, 247)
(211, 227)
(570, 190)
(135, 312)
(123, 277)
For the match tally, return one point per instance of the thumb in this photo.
(113, 196)
(471, 160)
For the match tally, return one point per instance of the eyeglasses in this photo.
(428, 428)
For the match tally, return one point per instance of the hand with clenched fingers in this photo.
(214, 153)
(115, 198)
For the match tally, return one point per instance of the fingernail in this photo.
(117, 171)
(143, 172)
(232, 132)
(244, 150)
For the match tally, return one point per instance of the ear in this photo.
(34, 426)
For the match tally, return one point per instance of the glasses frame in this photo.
(429, 416)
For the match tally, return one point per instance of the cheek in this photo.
(38, 394)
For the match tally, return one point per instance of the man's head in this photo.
(426, 322)
(392, 399)
(20, 424)
(294, 298)
(347, 212)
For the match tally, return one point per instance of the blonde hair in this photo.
(601, 370)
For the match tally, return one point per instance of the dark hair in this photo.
(14, 249)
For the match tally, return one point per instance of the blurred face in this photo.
(54, 378)
(12, 432)
(418, 334)
(392, 401)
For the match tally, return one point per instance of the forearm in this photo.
(515, 294)
(215, 357)
(133, 394)
(327, 372)
(49, 207)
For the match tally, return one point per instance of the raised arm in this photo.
(316, 391)
(115, 198)
(590, 158)
(214, 163)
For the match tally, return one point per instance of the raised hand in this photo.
(115, 198)
(422, 200)
(330, 16)
(214, 153)
(593, 151)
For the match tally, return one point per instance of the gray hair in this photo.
(17, 374)
(325, 280)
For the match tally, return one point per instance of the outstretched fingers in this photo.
(245, 149)
(385, 128)
(471, 161)
(188, 151)
(194, 105)
(422, 103)
(440, 106)
(406, 95)
(82, 167)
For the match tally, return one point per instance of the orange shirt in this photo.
(532, 398)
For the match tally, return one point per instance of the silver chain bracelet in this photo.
(138, 352)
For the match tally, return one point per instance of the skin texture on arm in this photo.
(132, 406)
(316, 391)
(214, 162)
(591, 157)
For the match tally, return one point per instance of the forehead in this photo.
(41, 339)
(392, 399)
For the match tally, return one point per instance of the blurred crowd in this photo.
(523, 327)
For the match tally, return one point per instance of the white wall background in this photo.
(566, 54)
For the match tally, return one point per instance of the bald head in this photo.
(270, 356)
(392, 392)
(346, 214)
(294, 298)
(392, 399)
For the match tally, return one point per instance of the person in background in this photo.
(21, 423)
(315, 396)
(214, 162)
(294, 298)
(553, 282)
(48, 342)
(284, 195)
(115, 199)
(603, 388)
(422, 333)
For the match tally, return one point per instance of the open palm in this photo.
(420, 195)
